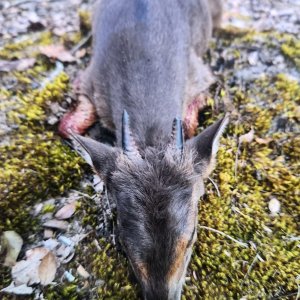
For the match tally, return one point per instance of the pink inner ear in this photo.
(79, 119)
(191, 115)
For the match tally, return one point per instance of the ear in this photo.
(206, 145)
(100, 156)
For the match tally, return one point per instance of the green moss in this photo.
(112, 268)
(85, 21)
(291, 49)
(35, 164)
(27, 47)
(48, 208)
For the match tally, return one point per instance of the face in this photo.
(157, 201)
(156, 193)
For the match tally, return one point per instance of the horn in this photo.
(128, 143)
(177, 133)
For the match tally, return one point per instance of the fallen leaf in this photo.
(47, 269)
(57, 52)
(80, 53)
(26, 271)
(248, 137)
(16, 65)
(22, 289)
(57, 224)
(83, 272)
(263, 141)
(66, 212)
(36, 253)
(12, 244)
(51, 244)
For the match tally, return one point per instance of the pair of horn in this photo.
(128, 144)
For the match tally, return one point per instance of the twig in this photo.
(81, 43)
(236, 159)
(216, 186)
(226, 235)
(83, 194)
(21, 2)
(251, 267)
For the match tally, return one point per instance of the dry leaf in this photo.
(65, 253)
(83, 272)
(36, 253)
(47, 269)
(263, 141)
(57, 224)
(51, 244)
(26, 271)
(80, 53)
(16, 65)
(18, 290)
(66, 212)
(57, 52)
(247, 138)
(12, 244)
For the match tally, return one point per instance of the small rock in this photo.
(253, 58)
(82, 272)
(274, 206)
(99, 283)
(48, 234)
(52, 120)
(69, 276)
(12, 243)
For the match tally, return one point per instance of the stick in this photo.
(226, 235)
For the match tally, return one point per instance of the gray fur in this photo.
(147, 60)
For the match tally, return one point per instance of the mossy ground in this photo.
(35, 165)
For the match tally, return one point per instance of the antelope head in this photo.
(156, 191)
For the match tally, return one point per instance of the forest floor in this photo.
(55, 217)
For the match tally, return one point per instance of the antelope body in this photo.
(147, 61)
